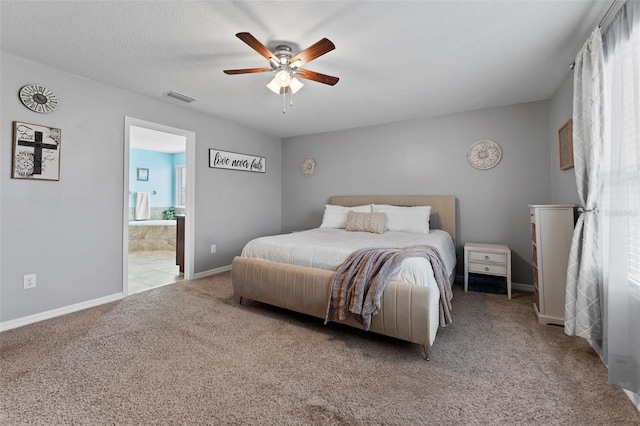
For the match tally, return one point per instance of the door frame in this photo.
(189, 221)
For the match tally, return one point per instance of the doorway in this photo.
(158, 177)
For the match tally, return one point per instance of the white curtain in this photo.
(583, 315)
(621, 219)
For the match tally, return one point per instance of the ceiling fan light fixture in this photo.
(295, 85)
(283, 78)
(274, 86)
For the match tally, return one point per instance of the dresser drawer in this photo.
(488, 257)
(483, 268)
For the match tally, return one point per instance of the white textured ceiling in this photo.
(396, 60)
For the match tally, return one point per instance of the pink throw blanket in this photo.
(359, 281)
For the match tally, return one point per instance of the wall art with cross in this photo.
(36, 152)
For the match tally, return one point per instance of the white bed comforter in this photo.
(324, 248)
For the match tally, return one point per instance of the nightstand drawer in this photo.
(482, 268)
(488, 257)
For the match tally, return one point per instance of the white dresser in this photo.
(551, 233)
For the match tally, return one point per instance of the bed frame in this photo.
(408, 312)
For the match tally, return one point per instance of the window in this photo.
(181, 186)
(631, 173)
(624, 174)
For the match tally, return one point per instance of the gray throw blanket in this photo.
(359, 281)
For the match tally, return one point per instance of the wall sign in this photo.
(235, 161)
(36, 152)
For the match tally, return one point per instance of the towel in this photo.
(143, 208)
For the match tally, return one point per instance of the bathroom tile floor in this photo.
(151, 269)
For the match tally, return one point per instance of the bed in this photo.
(409, 311)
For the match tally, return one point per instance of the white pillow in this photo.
(336, 216)
(405, 219)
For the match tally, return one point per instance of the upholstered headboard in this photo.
(443, 207)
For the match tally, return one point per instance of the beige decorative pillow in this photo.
(366, 222)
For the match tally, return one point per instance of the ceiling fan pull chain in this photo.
(291, 104)
(284, 103)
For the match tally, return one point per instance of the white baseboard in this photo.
(211, 272)
(522, 287)
(634, 397)
(30, 319)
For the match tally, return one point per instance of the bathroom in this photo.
(157, 198)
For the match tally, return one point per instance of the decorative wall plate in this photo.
(38, 98)
(484, 154)
(308, 166)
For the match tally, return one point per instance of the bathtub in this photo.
(153, 222)
(152, 235)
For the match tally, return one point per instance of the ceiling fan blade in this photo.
(258, 47)
(312, 52)
(247, 71)
(316, 76)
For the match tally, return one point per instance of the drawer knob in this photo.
(486, 268)
(486, 258)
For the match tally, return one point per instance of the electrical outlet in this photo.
(29, 281)
(213, 248)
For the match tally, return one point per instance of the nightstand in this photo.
(487, 259)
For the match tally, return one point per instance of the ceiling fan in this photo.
(286, 65)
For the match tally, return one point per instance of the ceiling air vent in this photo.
(180, 96)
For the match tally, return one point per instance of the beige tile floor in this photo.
(151, 269)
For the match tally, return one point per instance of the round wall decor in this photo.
(38, 98)
(308, 166)
(484, 154)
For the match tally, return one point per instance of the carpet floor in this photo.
(188, 353)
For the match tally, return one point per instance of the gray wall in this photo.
(429, 157)
(69, 232)
(563, 182)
